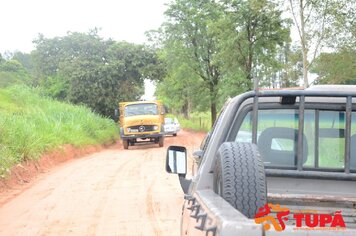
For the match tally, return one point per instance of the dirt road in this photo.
(113, 192)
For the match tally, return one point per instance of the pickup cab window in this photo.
(323, 137)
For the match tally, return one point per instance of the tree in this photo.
(188, 43)
(225, 44)
(336, 68)
(1, 59)
(182, 91)
(284, 71)
(12, 66)
(250, 32)
(322, 23)
(25, 59)
(85, 69)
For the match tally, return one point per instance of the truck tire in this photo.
(161, 141)
(126, 144)
(175, 134)
(239, 177)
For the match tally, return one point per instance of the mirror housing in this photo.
(198, 153)
(116, 113)
(176, 160)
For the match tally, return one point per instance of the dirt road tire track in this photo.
(114, 192)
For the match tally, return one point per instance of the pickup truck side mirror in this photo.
(176, 160)
(176, 163)
(116, 115)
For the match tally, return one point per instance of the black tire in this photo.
(126, 144)
(161, 141)
(174, 134)
(239, 177)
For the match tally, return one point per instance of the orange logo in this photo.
(303, 220)
(263, 217)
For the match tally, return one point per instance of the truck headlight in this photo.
(155, 127)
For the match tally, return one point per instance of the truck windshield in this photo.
(141, 109)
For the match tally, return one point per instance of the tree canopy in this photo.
(85, 69)
(204, 52)
(218, 46)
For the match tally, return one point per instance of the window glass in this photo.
(276, 135)
(245, 131)
(331, 139)
(141, 109)
(309, 134)
(168, 120)
(282, 144)
(353, 142)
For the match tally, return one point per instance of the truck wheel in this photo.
(161, 141)
(175, 134)
(239, 177)
(126, 144)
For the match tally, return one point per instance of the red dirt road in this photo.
(113, 192)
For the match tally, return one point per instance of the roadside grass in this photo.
(198, 121)
(31, 125)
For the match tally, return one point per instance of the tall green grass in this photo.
(198, 121)
(31, 125)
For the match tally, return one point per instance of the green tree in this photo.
(250, 32)
(188, 43)
(12, 66)
(85, 69)
(11, 72)
(322, 24)
(336, 68)
(1, 59)
(182, 91)
(25, 59)
(225, 44)
(283, 72)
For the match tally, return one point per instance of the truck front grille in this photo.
(142, 128)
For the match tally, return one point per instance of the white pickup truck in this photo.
(278, 162)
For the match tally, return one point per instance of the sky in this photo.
(22, 20)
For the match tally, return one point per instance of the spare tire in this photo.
(239, 177)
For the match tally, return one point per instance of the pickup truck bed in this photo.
(315, 195)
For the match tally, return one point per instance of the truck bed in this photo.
(315, 195)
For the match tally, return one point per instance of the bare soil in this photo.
(112, 192)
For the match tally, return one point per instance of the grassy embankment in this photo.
(198, 121)
(31, 125)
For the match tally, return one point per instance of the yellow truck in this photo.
(141, 121)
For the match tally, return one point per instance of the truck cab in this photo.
(279, 162)
(141, 121)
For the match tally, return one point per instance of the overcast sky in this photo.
(22, 20)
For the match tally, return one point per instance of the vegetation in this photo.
(336, 68)
(198, 121)
(203, 48)
(322, 24)
(85, 69)
(31, 125)
(204, 53)
(217, 49)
